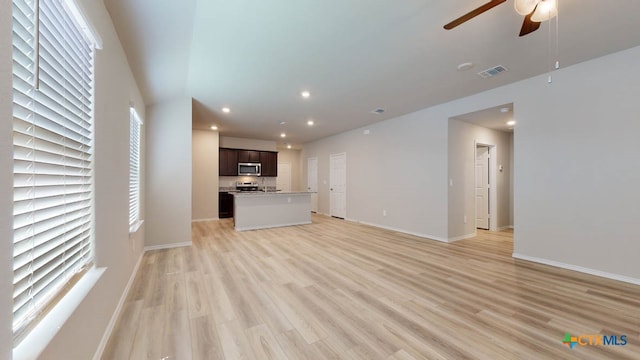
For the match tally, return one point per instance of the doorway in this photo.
(482, 187)
(338, 185)
(283, 181)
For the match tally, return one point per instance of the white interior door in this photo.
(338, 185)
(482, 187)
(312, 182)
(283, 181)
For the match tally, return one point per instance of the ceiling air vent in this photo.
(492, 71)
(378, 111)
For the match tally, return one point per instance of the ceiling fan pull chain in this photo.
(557, 32)
(555, 65)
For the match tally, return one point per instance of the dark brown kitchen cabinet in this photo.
(225, 205)
(228, 162)
(269, 161)
(248, 156)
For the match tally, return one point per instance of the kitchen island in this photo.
(261, 210)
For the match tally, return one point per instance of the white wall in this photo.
(204, 197)
(462, 139)
(6, 183)
(247, 144)
(168, 131)
(575, 166)
(116, 253)
(399, 167)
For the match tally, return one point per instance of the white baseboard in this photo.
(502, 228)
(425, 236)
(116, 314)
(167, 246)
(462, 237)
(201, 220)
(581, 269)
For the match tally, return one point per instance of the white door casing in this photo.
(338, 185)
(482, 187)
(283, 181)
(312, 182)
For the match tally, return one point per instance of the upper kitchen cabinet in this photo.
(248, 156)
(269, 161)
(228, 162)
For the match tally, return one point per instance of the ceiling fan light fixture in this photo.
(546, 10)
(525, 7)
(465, 66)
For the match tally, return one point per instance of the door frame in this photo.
(344, 154)
(314, 196)
(493, 177)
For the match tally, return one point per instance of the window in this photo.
(53, 151)
(134, 169)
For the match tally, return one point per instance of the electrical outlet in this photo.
(465, 219)
(384, 212)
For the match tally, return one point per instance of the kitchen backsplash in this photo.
(229, 182)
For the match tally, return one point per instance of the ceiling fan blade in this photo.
(528, 25)
(473, 13)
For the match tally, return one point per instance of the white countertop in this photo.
(269, 193)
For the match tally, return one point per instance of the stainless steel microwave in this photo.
(249, 169)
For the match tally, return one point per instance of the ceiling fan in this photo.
(534, 12)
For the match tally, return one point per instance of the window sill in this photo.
(134, 228)
(32, 346)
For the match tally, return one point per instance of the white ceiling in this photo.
(353, 55)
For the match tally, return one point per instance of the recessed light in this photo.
(465, 66)
(226, 110)
(511, 122)
(283, 135)
(505, 110)
(305, 94)
(310, 122)
(282, 122)
(288, 146)
(213, 127)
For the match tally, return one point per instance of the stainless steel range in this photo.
(247, 186)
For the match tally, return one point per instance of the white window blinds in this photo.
(134, 168)
(52, 140)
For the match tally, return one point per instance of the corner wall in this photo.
(204, 198)
(168, 166)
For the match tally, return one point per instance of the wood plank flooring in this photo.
(340, 290)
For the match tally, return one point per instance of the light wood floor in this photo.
(339, 290)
